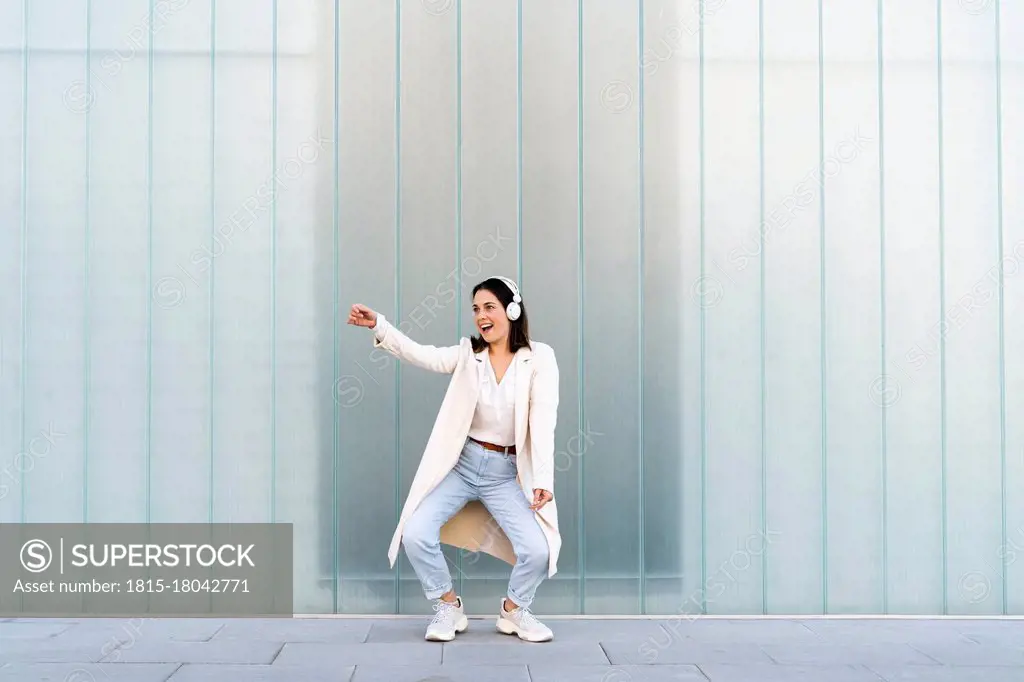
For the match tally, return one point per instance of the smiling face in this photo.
(489, 315)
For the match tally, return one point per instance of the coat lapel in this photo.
(524, 378)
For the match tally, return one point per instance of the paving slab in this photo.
(998, 633)
(950, 674)
(992, 638)
(520, 652)
(830, 653)
(201, 672)
(48, 651)
(65, 672)
(228, 651)
(128, 630)
(442, 673)
(617, 673)
(328, 630)
(476, 634)
(973, 654)
(685, 651)
(421, 653)
(717, 631)
(761, 672)
(880, 631)
(12, 631)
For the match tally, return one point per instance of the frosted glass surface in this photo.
(775, 245)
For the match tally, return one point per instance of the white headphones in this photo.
(513, 310)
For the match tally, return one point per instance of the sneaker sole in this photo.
(461, 626)
(507, 627)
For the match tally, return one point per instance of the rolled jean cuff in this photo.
(522, 602)
(436, 592)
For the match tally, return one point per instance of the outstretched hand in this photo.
(540, 498)
(361, 316)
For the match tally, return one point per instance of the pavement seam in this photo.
(807, 627)
(174, 672)
(874, 672)
(923, 653)
(283, 645)
(61, 632)
(120, 645)
(770, 657)
(969, 638)
(215, 633)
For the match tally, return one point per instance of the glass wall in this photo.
(775, 245)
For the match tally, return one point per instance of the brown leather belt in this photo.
(506, 449)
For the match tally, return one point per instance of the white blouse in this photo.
(493, 421)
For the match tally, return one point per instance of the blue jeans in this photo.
(490, 477)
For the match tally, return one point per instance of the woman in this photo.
(486, 478)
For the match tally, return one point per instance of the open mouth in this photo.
(486, 327)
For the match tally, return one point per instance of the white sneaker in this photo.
(450, 619)
(522, 623)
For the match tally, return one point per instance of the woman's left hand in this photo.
(540, 498)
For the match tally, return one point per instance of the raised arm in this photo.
(390, 338)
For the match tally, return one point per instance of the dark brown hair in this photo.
(519, 329)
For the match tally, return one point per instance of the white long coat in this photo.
(536, 405)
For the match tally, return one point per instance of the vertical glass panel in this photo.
(114, 102)
(182, 252)
(11, 38)
(55, 201)
(690, 150)
(611, 475)
(969, 321)
(1011, 44)
(426, 245)
(911, 394)
(489, 211)
(550, 238)
(252, 167)
(790, 248)
(849, 172)
(729, 296)
(367, 489)
(304, 269)
(12, 138)
(662, 304)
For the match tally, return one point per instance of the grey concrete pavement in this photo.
(591, 650)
